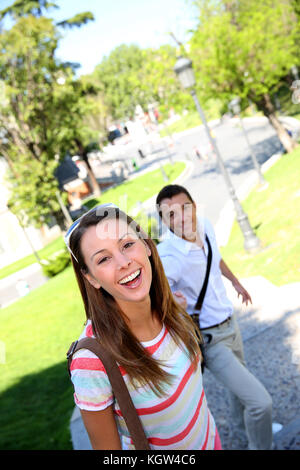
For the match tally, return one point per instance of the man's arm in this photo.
(235, 282)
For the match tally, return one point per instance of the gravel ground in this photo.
(272, 355)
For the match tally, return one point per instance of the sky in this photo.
(146, 23)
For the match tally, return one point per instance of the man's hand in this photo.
(242, 291)
(181, 299)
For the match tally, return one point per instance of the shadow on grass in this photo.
(36, 411)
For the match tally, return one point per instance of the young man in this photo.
(184, 256)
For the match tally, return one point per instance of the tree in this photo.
(39, 97)
(244, 48)
(132, 76)
(120, 79)
(36, 8)
(98, 117)
(161, 81)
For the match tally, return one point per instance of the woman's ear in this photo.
(93, 281)
(148, 250)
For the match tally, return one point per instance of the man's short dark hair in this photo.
(167, 192)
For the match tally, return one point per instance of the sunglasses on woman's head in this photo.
(100, 211)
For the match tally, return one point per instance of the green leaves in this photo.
(27, 7)
(131, 76)
(42, 113)
(244, 48)
(77, 20)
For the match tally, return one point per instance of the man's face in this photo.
(179, 214)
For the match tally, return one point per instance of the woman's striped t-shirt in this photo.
(178, 420)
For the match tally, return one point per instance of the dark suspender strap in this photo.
(204, 287)
(119, 387)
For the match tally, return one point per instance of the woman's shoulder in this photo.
(87, 331)
(84, 359)
(92, 389)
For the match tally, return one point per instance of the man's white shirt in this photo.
(185, 267)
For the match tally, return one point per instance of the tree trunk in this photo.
(94, 182)
(10, 164)
(265, 104)
(95, 185)
(60, 220)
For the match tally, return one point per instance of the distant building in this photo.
(72, 177)
(14, 240)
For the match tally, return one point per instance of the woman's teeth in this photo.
(131, 277)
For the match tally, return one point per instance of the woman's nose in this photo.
(123, 261)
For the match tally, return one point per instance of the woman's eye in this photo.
(128, 244)
(102, 260)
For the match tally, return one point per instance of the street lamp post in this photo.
(294, 71)
(183, 68)
(235, 106)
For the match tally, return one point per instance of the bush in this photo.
(56, 263)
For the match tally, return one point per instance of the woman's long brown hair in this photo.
(108, 320)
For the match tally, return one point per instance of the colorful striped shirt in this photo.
(180, 419)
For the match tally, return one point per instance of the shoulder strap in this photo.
(204, 287)
(119, 388)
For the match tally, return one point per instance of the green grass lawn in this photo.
(129, 193)
(275, 215)
(212, 111)
(185, 122)
(36, 394)
(35, 391)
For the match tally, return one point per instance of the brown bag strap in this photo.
(119, 387)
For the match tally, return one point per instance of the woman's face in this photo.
(117, 260)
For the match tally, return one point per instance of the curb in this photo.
(79, 436)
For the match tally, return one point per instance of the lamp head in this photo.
(184, 69)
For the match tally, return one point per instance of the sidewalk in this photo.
(34, 276)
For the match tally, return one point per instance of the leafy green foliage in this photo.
(42, 113)
(77, 20)
(131, 76)
(243, 48)
(24, 7)
(56, 263)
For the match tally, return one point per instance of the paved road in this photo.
(9, 286)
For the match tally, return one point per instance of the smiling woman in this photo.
(130, 309)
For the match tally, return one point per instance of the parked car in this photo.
(114, 134)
